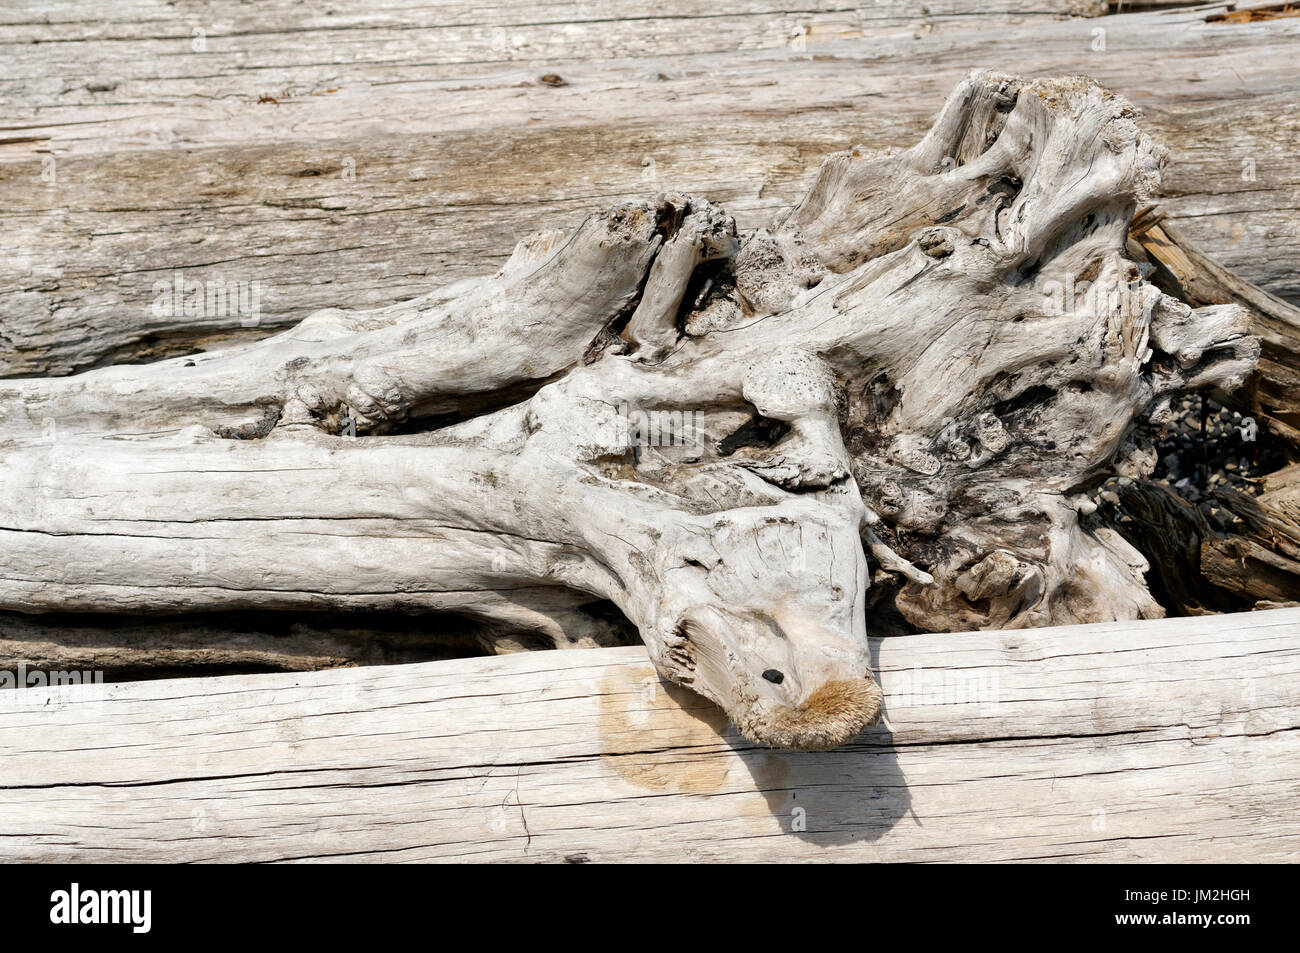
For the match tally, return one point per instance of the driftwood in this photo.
(357, 157)
(901, 362)
(1165, 741)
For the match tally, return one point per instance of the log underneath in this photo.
(1172, 740)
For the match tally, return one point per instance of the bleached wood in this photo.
(1164, 741)
(167, 163)
(909, 334)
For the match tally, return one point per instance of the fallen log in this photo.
(1163, 741)
(250, 163)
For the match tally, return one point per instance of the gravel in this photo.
(1231, 450)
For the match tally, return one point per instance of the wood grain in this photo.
(164, 159)
(1173, 740)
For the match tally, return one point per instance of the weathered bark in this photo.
(894, 365)
(125, 647)
(1261, 561)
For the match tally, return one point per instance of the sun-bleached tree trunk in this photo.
(899, 387)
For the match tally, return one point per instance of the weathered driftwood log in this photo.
(335, 159)
(1171, 740)
(901, 364)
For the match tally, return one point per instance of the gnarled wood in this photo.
(898, 367)
(1261, 562)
